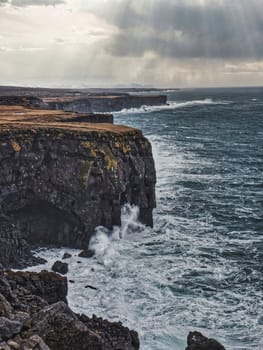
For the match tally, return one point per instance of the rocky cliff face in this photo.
(14, 249)
(60, 181)
(34, 315)
(26, 101)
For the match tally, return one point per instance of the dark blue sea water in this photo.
(201, 267)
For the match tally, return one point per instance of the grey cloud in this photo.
(97, 32)
(217, 30)
(24, 3)
(21, 49)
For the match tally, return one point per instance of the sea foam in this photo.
(172, 105)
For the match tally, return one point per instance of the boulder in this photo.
(88, 253)
(197, 341)
(5, 307)
(66, 256)
(4, 346)
(23, 317)
(9, 328)
(47, 285)
(60, 267)
(34, 342)
(114, 335)
(13, 344)
(61, 330)
(5, 288)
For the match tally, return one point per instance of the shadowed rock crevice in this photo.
(43, 223)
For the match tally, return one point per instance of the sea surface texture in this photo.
(201, 267)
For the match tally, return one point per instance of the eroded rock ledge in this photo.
(60, 180)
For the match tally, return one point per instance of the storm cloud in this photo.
(215, 30)
(168, 43)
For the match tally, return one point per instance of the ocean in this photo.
(201, 266)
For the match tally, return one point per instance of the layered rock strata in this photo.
(60, 180)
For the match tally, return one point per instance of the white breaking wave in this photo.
(170, 90)
(172, 105)
(105, 242)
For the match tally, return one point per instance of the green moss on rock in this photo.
(84, 173)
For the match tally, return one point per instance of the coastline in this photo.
(81, 100)
(120, 170)
(106, 163)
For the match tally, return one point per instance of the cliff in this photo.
(60, 180)
(102, 104)
(80, 101)
(60, 177)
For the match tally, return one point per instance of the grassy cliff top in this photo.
(18, 118)
(23, 114)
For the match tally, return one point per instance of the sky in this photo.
(158, 43)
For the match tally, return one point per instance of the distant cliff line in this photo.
(80, 101)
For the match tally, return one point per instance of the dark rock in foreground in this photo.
(27, 321)
(91, 287)
(60, 267)
(49, 286)
(9, 328)
(113, 332)
(66, 256)
(89, 253)
(70, 333)
(196, 341)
